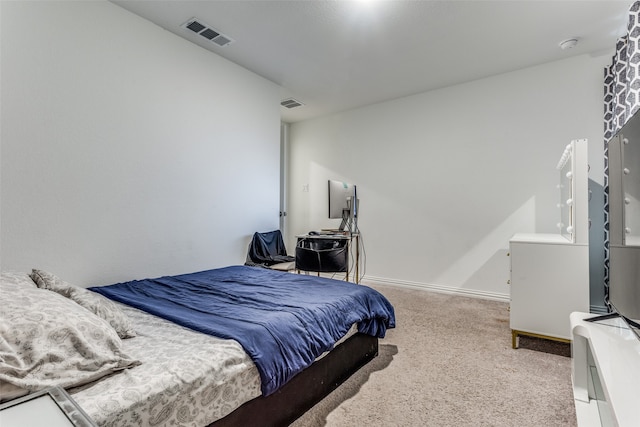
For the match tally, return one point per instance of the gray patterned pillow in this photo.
(95, 303)
(49, 340)
(46, 280)
(16, 279)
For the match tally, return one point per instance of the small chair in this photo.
(268, 250)
(323, 255)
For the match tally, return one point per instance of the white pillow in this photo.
(16, 279)
(47, 340)
(96, 303)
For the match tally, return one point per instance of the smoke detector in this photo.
(568, 44)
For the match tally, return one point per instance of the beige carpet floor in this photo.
(449, 362)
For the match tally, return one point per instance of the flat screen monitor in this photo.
(624, 223)
(341, 203)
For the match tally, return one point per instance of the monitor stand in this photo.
(611, 316)
(602, 317)
(346, 220)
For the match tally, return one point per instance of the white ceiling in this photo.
(341, 54)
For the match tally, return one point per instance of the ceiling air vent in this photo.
(291, 103)
(207, 32)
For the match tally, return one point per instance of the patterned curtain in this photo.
(621, 101)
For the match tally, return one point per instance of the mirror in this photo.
(624, 185)
(566, 212)
(631, 187)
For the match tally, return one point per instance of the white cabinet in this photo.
(549, 280)
(605, 372)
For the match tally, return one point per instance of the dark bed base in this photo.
(305, 389)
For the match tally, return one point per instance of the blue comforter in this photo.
(284, 321)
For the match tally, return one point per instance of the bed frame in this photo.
(307, 388)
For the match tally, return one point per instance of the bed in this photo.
(196, 349)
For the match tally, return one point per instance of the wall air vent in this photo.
(291, 103)
(207, 32)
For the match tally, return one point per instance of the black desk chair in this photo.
(322, 254)
(268, 250)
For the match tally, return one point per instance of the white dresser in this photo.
(549, 281)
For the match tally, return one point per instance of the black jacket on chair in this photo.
(267, 249)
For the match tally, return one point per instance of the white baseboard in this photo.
(370, 280)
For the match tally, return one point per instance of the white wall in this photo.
(128, 152)
(445, 178)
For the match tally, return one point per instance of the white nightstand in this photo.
(605, 372)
